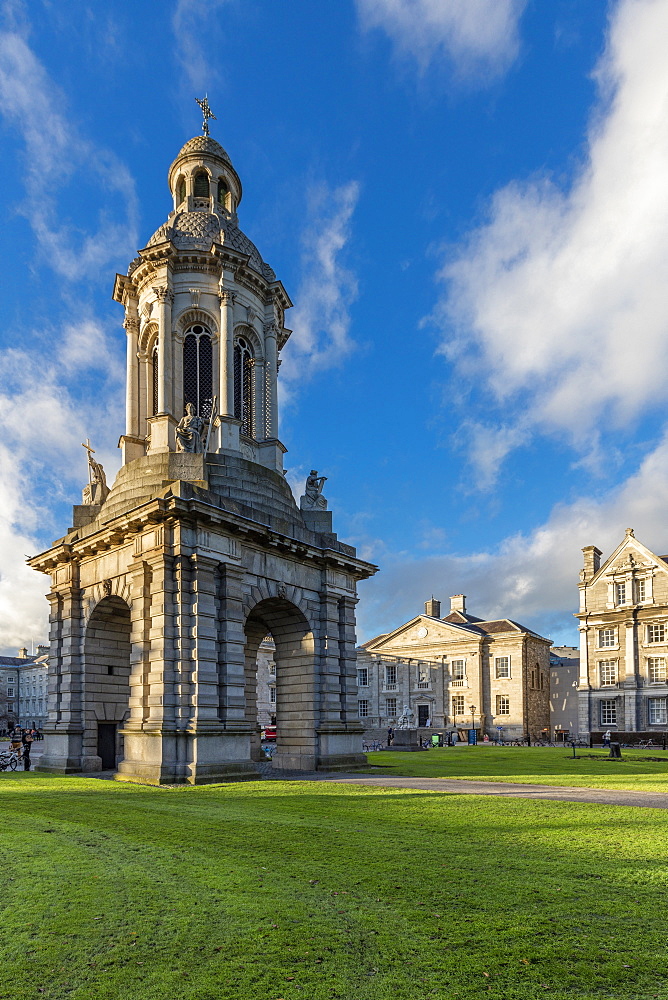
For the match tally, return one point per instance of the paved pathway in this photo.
(503, 789)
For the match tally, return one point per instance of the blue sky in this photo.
(467, 202)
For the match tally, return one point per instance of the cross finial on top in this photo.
(206, 112)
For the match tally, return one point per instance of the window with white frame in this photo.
(458, 670)
(656, 632)
(272, 669)
(362, 677)
(423, 675)
(607, 672)
(391, 707)
(656, 669)
(607, 637)
(11, 680)
(502, 704)
(657, 714)
(620, 593)
(272, 695)
(502, 666)
(363, 709)
(458, 704)
(391, 674)
(641, 590)
(10, 706)
(10, 692)
(609, 712)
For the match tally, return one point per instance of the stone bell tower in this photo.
(165, 585)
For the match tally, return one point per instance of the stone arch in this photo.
(251, 335)
(297, 688)
(193, 315)
(106, 681)
(148, 336)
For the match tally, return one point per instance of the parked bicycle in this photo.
(373, 745)
(10, 759)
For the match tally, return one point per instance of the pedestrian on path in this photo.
(26, 740)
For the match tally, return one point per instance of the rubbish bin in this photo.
(615, 750)
(437, 739)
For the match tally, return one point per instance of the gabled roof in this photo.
(456, 622)
(628, 542)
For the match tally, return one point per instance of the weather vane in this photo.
(206, 112)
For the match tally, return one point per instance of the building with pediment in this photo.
(457, 672)
(623, 639)
(165, 585)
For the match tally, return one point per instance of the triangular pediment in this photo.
(630, 553)
(420, 632)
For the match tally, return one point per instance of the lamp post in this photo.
(472, 711)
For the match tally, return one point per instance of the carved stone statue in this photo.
(189, 432)
(97, 490)
(406, 719)
(313, 498)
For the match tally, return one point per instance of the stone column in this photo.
(339, 731)
(131, 325)
(271, 374)
(584, 687)
(226, 352)
(63, 748)
(164, 297)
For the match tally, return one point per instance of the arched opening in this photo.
(154, 379)
(201, 187)
(294, 683)
(180, 191)
(243, 385)
(107, 682)
(198, 370)
(223, 191)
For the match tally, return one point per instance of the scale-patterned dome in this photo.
(204, 144)
(199, 230)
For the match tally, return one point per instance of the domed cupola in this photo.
(205, 321)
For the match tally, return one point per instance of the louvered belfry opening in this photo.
(243, 385)
(198, 370)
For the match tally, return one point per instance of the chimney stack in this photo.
(23, 653)
(432, 608)
(42, 650)
(592, 561)
(458, 603)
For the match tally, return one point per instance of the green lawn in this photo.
(532, 765)
(316, 891)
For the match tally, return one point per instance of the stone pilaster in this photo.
(63, 747)
(339, 730)
(226, 352)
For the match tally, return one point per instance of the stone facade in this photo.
(164, 588)
(23, 689)
(623, 639)
(456, 671)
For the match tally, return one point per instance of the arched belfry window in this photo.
(222, 193)
(201, 185)
(180, 191)
(198, 370)
(154, 378)
(243, 385)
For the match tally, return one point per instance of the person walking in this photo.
(390, 736)
(26, 740)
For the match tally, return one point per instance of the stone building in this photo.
(564, 673)
(455, 672)
(266, 683)
(23, 689)
(165, 586)
(623, 639)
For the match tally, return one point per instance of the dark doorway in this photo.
(423, 715)
(106, 745)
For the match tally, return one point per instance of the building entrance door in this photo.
(423, 715)
(106, 745)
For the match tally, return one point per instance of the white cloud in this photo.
(479, 37)
(530, 577)
(56, 156)
(42, 462)
(192, 25)
(559, 298)
(321, 318)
